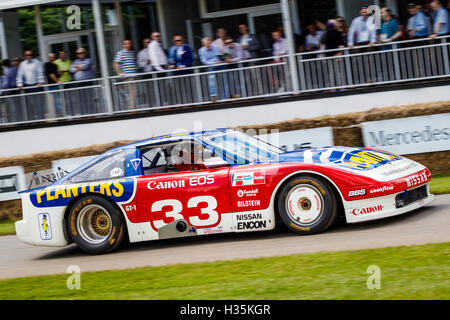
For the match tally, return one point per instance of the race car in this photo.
(217, 181)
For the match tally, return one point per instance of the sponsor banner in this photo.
(301, 139)
(409, 135)
(196, 181)
(368, 210)
(248, 178)
(58, 196)
(11, 181)
(45, 227)
(250, 221)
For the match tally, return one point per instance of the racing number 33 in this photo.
(177, 208)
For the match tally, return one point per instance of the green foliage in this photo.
(27, 29)
(53, 22)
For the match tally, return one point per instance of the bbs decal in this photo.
(356, 193)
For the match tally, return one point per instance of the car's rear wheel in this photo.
(307, 205)
(95, 225)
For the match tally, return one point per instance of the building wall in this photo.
(74, 136)
(175, 13)
(12, 34)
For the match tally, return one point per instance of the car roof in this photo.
(167, 139)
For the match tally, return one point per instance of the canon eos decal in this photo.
(175, 184)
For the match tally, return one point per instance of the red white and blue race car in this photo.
(217, 181)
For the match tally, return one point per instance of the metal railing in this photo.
(394, 62)
(203, 84)
(52, 101)
(326, 70)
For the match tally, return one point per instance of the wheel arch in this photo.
(326, 179)
(75, 199)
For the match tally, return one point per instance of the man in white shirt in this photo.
(363, 30)
(220, 41)
(280, 45)
(314, 38)
(143, 57)
(280, 48)
(233, 53)
(157, 55)
(249, 42)
(31, 74)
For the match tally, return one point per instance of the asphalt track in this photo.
(430, 224)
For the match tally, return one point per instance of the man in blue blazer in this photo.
(249, 42)
(180, 55)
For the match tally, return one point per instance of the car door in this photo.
(199, 197)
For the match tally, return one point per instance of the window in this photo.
(221, 5)
(112, 167)
(242, 149)
(178, 156)
(154, 160)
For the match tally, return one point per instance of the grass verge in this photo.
(7, 227)
(413, 272)
(440, 184)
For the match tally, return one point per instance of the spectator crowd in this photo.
(27, 75)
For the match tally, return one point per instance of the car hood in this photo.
(376, 164)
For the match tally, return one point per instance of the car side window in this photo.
(154, 160)
(187, 155)
(112, 167)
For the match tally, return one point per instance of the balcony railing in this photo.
(327, 70)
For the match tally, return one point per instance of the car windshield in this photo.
(240, 148)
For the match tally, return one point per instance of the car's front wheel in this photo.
(307, 205)
(95, 225)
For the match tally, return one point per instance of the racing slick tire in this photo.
(307, 205)
(95, 225)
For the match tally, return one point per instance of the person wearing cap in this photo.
(363, 30)
(441, 26)
(332, 38)
(418, 24)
